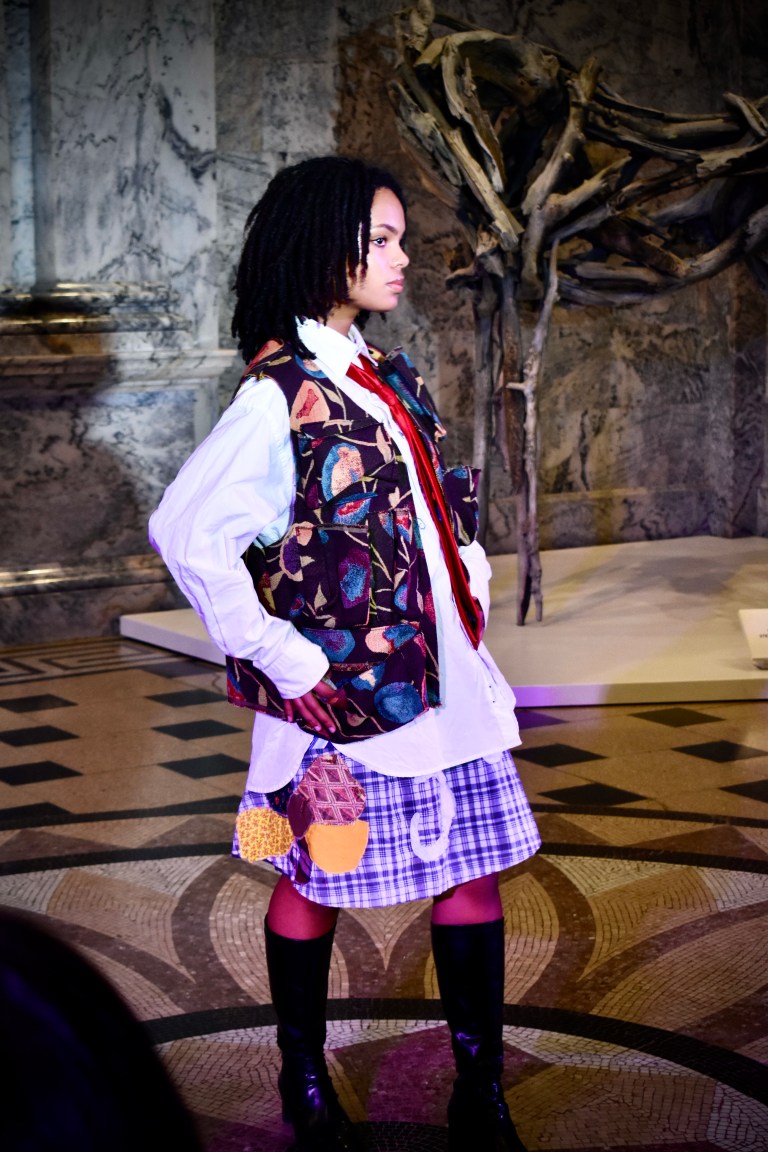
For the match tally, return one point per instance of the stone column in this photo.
(109, 362)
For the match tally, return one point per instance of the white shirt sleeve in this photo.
(480, 572)
(237, 485)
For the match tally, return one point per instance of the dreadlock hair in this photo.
(304, 240)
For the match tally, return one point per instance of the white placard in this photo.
(754, 622)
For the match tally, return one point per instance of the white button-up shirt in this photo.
(238, 486)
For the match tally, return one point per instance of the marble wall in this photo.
(134, 139)
(109, 356)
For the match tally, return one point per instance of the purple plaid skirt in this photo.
(426, 833)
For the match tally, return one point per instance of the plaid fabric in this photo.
(470, 821)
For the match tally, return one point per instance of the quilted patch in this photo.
(299, 814)
(262, 832)
(331, 793)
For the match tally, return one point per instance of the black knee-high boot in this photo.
(298, 980)
(469, 960)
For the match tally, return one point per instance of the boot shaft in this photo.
(298, 983)
(469, 962)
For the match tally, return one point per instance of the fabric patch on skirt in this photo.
(317, 811)
(328, 794)
(426, 834)
(262, 832)
(337, 848)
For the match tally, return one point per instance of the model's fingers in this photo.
(328, 692)
(312, 711)
(317, 716)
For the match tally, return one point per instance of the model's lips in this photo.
(397, 285)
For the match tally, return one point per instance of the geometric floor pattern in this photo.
(636, 939)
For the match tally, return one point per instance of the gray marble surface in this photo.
(109, 350)
(102, 398)
(124, 159)
(17, 228)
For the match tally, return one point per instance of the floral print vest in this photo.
(350, 573)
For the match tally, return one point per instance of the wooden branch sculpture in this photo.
(565, 191)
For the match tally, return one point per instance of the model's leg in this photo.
(299, 940)
(468, 946)
(476, 902)
(291, 914)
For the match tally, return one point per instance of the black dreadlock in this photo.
(304, 240)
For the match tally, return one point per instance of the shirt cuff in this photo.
(297, 667)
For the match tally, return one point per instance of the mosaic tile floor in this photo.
(636, 939)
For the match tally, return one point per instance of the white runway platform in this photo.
(622, 624)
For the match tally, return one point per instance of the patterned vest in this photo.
(350, 573)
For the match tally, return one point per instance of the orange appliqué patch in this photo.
(337, 848)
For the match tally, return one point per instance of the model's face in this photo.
(377, 288)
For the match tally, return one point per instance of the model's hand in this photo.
(310, 708)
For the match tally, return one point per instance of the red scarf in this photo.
(469, 613)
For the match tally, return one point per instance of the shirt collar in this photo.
(331, 349)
